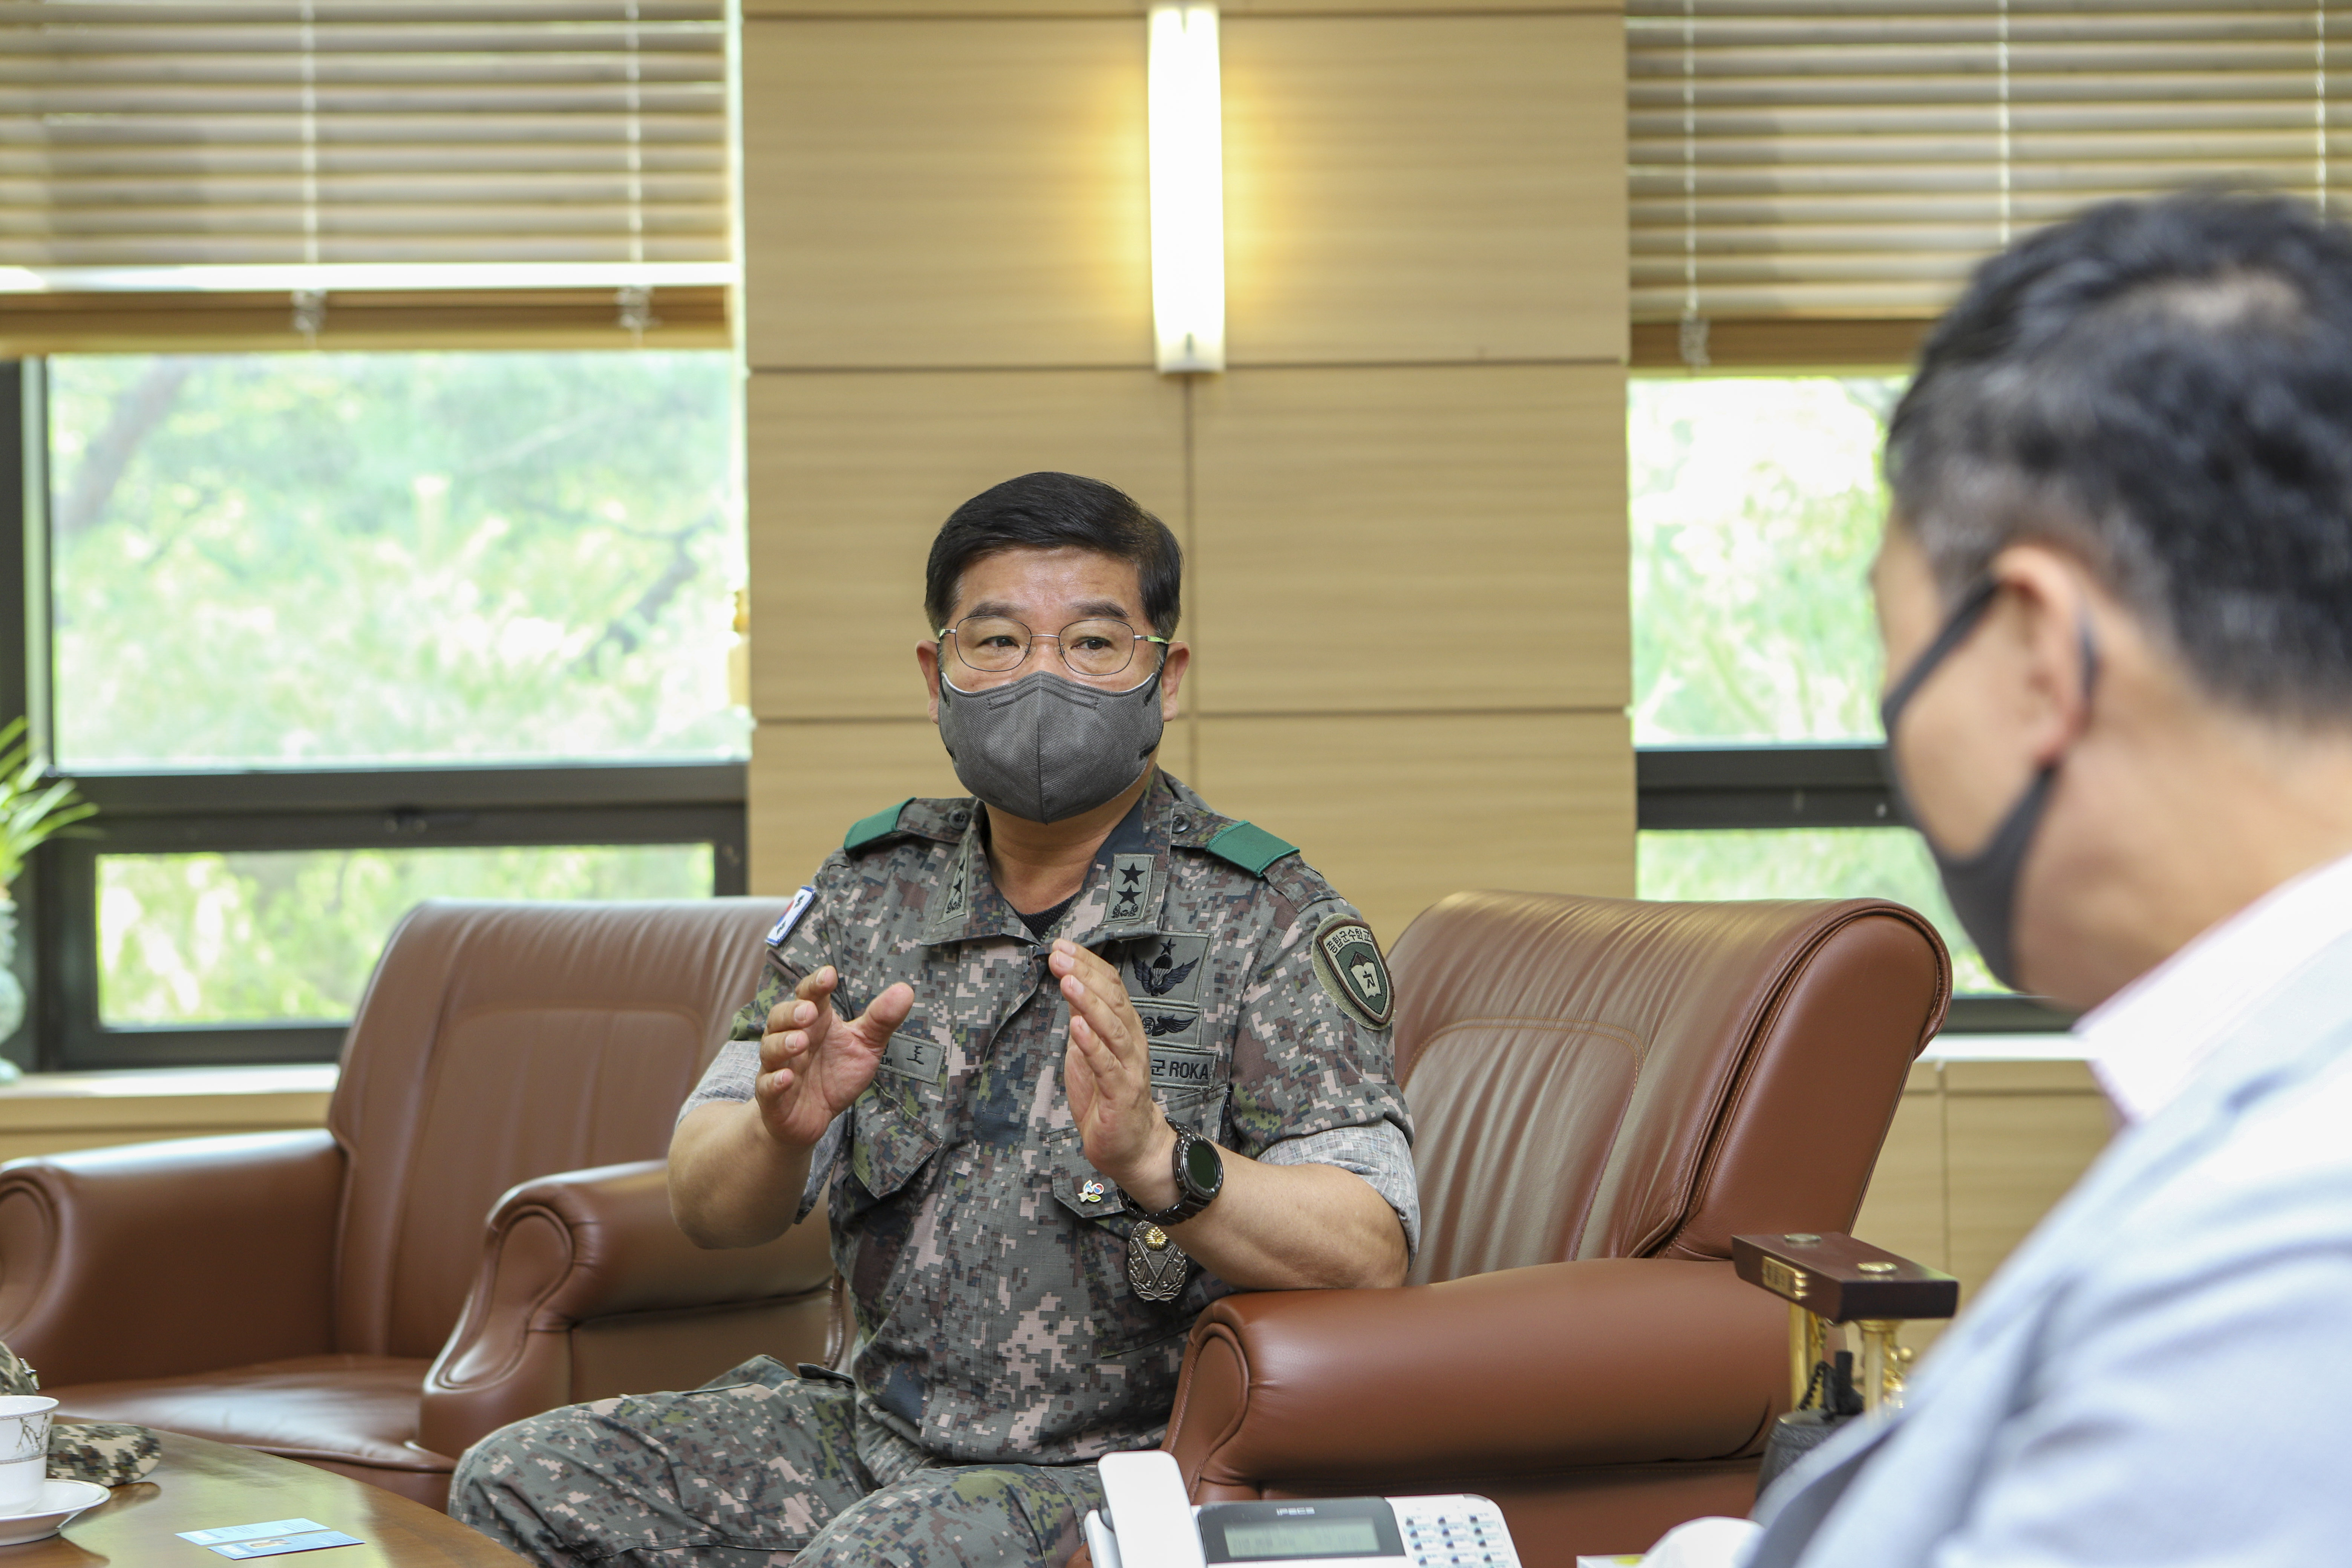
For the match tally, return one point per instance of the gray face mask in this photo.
(1045, 748)
(1982, 885)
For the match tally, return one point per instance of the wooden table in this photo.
(200, 1485)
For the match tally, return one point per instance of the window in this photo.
(326, 633)
(303, 560)
(289, 935)
(428, 590)
(1756, 505)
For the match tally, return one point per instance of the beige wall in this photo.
(1402, 506)
(1979, 1153)
(50, 1113)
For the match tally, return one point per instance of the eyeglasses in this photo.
(1102, 645)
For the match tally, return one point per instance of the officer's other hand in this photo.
(1107, 1073)
(812, 1064)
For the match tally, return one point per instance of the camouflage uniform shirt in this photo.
(985, 1258)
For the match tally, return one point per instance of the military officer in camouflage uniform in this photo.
(1064, 1063)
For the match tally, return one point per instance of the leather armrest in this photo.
(579, 1246)
(1613, 1361)
(155, 1259)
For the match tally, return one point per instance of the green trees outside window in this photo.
(1756, 508)
(301, 560)
(316, 561)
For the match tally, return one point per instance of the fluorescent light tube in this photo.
(1188, 189)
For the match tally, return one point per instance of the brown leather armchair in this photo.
(1604, 1091)
(333, 1297)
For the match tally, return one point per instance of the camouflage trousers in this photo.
(757, 1469)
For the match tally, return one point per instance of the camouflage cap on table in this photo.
(106, 1452)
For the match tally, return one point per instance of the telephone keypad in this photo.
(1454, 1532)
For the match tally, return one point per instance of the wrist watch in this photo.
(1200, 1172)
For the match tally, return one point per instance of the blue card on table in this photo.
(272, 1539)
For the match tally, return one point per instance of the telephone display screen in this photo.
(1296, 1530)
(1275, 1539)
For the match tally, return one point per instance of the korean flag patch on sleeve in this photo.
(790, 918)
(1347, 961)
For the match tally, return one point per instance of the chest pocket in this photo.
(893, 1131)
(1078, 1185)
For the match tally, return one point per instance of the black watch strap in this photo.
(1190, 1196)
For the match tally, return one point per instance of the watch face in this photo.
(1204, 1169)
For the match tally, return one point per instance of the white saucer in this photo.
(51, 1511)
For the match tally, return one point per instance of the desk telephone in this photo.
(1153, 1524)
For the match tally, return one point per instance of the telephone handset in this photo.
(1152, 1524)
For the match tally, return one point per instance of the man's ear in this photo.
(1172, 676)
(2052, 618)
(927, 660)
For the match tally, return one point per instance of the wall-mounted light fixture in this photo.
(1188, 188)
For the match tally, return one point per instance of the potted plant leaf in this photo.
(33, 810)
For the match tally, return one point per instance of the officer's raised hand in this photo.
(1107, 1073)
(812, 1064)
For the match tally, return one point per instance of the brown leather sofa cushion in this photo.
(288, 1292)
(1605, 1078)
(356, 1413)
(1624, 1361)
(93, 1240)
(490, 1049)
(1604, 1091)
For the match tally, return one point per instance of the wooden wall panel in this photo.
(1981, 1150)
(1903, 1211)
(2018, 1136)
(1400, 810)
(959, 10)
(808, 782)
(948, 284)
(851, 477)
(963, 8)
(1906, 1209)
(957, 191)
(52, 1112)
(1446, 187)
(1361, 7)
(1430, 538)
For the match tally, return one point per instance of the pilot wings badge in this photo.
(1158, 972)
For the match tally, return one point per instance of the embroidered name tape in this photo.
(1178, 1069)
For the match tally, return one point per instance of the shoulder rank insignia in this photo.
(1347, 961)
(1250, 846)
(881, 825)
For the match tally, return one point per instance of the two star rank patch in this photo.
(1130, 885)
(1347, 961)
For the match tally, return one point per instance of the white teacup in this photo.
(24, 1449)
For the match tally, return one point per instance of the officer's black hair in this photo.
(1055, 512)
(2162, 388)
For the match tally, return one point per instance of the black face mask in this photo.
(1982, 885)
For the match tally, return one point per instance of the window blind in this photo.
(316, 147)
(1817, 158)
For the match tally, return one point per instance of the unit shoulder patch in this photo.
(1250, 846)
(1347, 961)
(881, 825)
